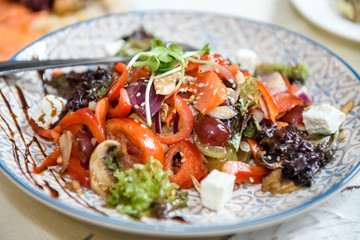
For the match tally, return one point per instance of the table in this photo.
(22, 217)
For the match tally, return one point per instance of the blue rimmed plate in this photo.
(331, 80)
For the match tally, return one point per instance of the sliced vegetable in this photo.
(78, 173)
(114, 89)
(189, 163)
(86, 117)
(123, 106)
(186, 122)
(212, 91)
(244, 172)
(140, 135)
(286, 101)
(267, 103)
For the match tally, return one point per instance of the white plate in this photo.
(324, 14)
(331, 80)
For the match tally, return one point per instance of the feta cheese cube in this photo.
(323, 119)
(247, 59)
(216, 189)
(48, 110)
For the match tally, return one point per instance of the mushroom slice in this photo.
(101, 177)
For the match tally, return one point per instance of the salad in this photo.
(143, 132)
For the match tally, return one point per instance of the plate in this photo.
(325, 15)
(331, 80)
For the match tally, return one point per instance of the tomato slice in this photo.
(140, 135)
(191, 163)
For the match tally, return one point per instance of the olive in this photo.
(212, 131)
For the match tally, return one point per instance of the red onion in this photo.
(303, 93)
(157, 122)
(136, 93)
(274, 82)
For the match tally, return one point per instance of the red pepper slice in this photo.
(286, 101)
(86, 117)
(123, 106)
(191, 163)
(77, 172)
(140, 135)
(267, 102)
(186, 122)
(234, 68)
(114, 89)
(244, 172)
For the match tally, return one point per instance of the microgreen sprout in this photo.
(164, 61)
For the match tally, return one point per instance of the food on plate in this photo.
(141, 133)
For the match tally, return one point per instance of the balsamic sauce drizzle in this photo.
(25, 157)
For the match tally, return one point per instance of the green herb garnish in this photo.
(145, 190)
(164, 61)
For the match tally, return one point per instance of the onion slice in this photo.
(222, 112)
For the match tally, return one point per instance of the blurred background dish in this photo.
(23, 21)
(327, 15)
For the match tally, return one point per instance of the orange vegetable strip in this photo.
(50, 160)
(114, 89)
(101, 110)
(244, 172)
(120, 67)
(123, 106)
(267, 102)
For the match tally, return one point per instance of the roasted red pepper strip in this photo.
(123, 107)
(140, 135)
(244, 172)
(286, 101)
(114, 89)
(267, 103)
(50, 160)
(234, 68)
(101, 110)
(186, 122)
(77, 172)
(47, 133)
(86, 117)
(191, 163)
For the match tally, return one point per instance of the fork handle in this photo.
(13, 65)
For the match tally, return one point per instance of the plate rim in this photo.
(298, 5)
(161, 230)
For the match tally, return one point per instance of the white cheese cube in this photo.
(216, 189)
(323, 119)
(48, 110)
(247, 59)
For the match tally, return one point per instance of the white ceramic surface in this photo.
(325, 14)
(331, 80)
